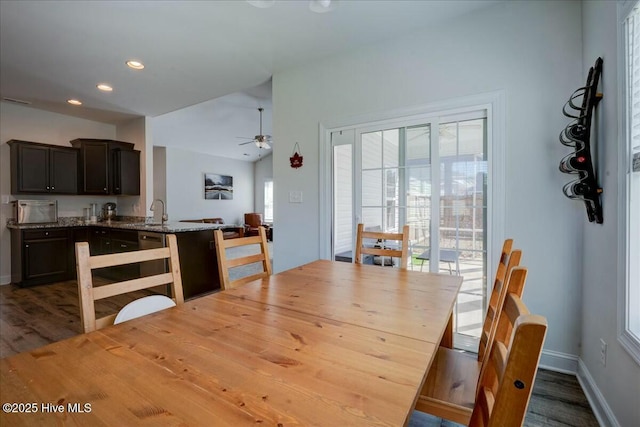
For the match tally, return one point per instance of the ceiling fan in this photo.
(261, 141)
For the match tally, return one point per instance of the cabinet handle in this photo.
(105, 189)
(46, 233)
(123, 246)
(53, 188)
(47, 187)
(26, 246)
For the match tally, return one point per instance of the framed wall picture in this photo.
(218, 187)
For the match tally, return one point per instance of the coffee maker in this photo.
(109, 211)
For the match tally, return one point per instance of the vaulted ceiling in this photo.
(193, 51)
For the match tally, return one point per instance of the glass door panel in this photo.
(380, 193)
(418, 190)
(461, 237)
(343, 202)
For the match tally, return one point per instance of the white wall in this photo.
(619, 380)
(160, 173)
(30, 124)
(185, 186)
(530, 50)
(263, 171)
(135, 131)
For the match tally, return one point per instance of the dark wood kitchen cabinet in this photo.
(42, 168)
(40, 256)
(126, 172)
(99, 241)
(198, 263)
(104, 241)
(108, 167)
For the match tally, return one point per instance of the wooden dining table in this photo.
(323, 344)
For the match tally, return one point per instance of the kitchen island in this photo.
(45, 253)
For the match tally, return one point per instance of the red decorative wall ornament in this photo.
(296, 159)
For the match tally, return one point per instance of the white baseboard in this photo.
(559, 362)
(570, 364)
(599, 405)
(5, 280)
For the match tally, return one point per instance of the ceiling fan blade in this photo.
(244, 137)
(245, 143)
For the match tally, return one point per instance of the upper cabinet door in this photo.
(30, 168)
(95, 168)
(126, 172)
(63, 170)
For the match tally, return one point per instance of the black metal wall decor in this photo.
(577, 135)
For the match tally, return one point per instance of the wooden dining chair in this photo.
(400, 249)
(450, 388)
(225, 264)
(507, 379)
(505, 263)
(88, 294)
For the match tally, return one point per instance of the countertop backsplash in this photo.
(74, 205)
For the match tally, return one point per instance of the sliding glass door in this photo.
(392, 175)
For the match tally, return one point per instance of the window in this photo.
(629, 169)
(268, 201)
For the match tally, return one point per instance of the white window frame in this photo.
(627, 338)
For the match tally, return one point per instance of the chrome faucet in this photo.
(165, 217)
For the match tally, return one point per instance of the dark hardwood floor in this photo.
(36, 316)
(39, 315)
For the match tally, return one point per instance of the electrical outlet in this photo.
(603, 352)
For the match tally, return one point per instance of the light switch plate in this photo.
(295, 196)
(5, 200)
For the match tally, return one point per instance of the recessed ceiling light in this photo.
(136, 65)
(104, 87)
(74, 102)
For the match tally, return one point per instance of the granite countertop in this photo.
(137, 224)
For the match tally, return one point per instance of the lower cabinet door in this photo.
(129, 271)
(46, 260)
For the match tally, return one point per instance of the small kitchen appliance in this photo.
(36, 211)
(109, 211)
